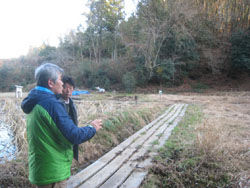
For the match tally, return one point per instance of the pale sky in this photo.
(29, 23)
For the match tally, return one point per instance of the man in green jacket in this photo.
(51, 133)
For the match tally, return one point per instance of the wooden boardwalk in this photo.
(126, 165)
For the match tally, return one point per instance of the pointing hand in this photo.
(97, 123)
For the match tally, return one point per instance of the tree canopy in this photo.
(163, 42)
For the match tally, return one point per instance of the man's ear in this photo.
(50, 83)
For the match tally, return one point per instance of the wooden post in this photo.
(160, 93)
(136, 98)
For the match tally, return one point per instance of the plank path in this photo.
(127, 164)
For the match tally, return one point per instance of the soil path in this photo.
(126, 165)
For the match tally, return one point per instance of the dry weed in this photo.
(221, 151)
(225, 135)
(14, 173)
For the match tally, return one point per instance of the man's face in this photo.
(67, 91)
(56, 87)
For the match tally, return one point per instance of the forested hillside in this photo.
(165, 42)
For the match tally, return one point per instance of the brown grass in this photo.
(221, 148)
(14, 172)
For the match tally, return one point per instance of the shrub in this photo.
(95, 75)
(141, 74)
(165, 72)
(240, 52)
(129, 82)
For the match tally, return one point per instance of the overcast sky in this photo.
(29, 23)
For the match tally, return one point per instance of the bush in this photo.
(6, 77)
(129, 82)
(240, 52)
(95, 75)
(166, 70)
(141, 74)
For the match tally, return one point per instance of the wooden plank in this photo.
(92, 169)
(118, 178)
(168, 132)
(136, 178)
(126, 169)
(106, 172)
(114, 162)
(101, 176)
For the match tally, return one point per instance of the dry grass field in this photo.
(223, 132)
(221, 138)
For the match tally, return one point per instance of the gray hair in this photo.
(45, 72)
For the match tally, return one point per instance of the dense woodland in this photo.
(163, 43)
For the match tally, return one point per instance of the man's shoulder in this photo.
(50, 102)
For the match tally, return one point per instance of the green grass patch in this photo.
(121, 125)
